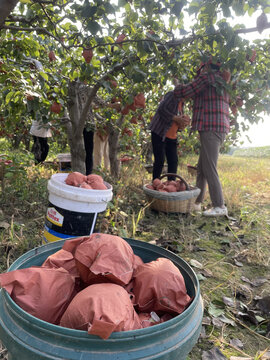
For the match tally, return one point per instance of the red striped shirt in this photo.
(210, 102)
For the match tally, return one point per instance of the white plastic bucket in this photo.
(72, 211)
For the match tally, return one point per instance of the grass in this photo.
(230, 250)
(258, 152)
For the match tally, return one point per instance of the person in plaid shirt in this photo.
(211, 119)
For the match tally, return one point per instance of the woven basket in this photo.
(174, 202)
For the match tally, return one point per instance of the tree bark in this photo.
(6, 7)
(75, 128)
(147, 152)
(114, 133)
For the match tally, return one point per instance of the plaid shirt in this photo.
(162, 120)
(210, 107)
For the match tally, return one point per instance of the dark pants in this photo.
(161, 149)
(40, 149)
(88, 137)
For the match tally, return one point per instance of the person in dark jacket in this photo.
(168, 119)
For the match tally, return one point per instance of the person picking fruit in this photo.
(211, 119)
(40, 133)
(168, 119)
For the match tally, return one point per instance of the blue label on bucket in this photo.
(51, 235)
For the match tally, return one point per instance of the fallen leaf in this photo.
(4, 225)
(213, 354)
(226, 320)
(225, 241)
(206, 320)
(259, 281)
(238, 263)
(196, 264)
(249, 315)
(243, 291)
(245, 279)
(215, 311)
(237, 343)
(203, 333)
(206, 273)
(229, 301)
(217, 322)
(264, 304)
(259, 318)
(201, 277)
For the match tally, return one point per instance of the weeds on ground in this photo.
(230, 255)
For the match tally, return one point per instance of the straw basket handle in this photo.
(178, 176)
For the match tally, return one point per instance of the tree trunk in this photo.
(147, 152)
(16, 142)
(6, 6)
(114, 147)
(75, 128)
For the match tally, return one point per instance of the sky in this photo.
(259, 134)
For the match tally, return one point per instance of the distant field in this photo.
(257, 152)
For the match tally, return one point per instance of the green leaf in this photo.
(201, 277)
(179, 248)
(259, 318)
(44, 75)
(215, 311)
(93, 27)
(226, 10)
(251, 11)
(176, 9)
(183, 32)
(109, 8)
(89, 11)
(147, 46)
(9, 96)
(238, 7)
(122, 3)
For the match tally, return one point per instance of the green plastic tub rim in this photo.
(115, 335)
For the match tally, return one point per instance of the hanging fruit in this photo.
(120, 39)
(139, 101)
(87, 54)
(56, 107)
(52, 56)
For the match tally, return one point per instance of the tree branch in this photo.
(6, 6)
(93, 91)
(245, 31)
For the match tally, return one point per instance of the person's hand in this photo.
(185, 120)
(177, 119)
(182, 121)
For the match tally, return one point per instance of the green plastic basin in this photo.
(28, 338)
